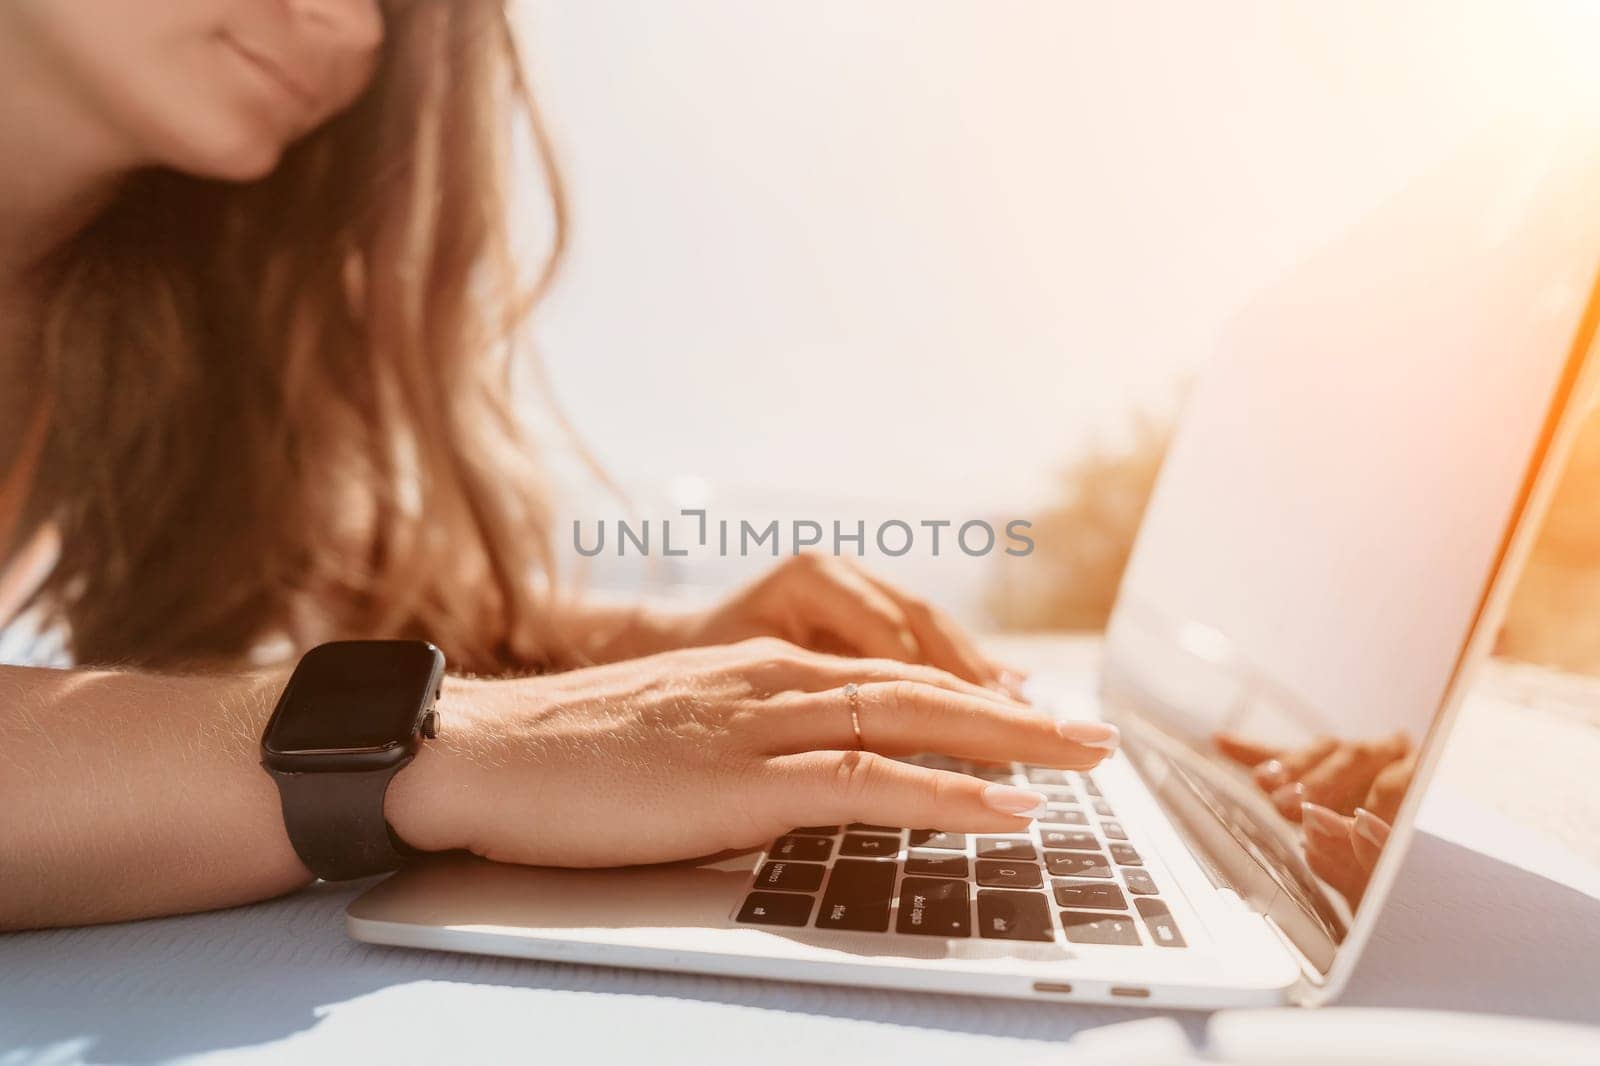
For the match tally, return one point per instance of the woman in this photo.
(258, 308)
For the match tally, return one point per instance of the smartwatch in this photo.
(353, 714)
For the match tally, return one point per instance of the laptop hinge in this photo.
(1243, 881)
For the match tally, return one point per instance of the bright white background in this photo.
(908, 257)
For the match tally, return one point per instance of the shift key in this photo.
(858, 896)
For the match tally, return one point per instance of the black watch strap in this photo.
(353, 714)
(336, 824)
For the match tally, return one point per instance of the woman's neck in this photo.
(67, 164)
(42, 204)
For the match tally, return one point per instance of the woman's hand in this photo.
(832, 605)
(1342, 850)
(1340, 775)
(692, 752)
(1345, 793)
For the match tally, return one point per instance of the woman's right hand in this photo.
(1330, 772)
(1343, 850)
(693, 752)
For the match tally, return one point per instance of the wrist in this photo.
(635, 630)
(660, 628)
(428, 801)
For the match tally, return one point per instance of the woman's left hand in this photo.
(831, 605)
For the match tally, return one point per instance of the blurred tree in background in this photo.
(1555, 614)
(1083, 543)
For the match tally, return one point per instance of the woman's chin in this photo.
(246, 165)
(243, 156)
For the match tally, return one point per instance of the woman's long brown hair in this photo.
(283, 409)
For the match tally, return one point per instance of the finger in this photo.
(1287, 800)
(904, 717)
(1389, 788)
(1330, 853)
(1011, 677)
(1012, 682)
(1000, 666)
(838, 601)
(838, 787)
(1341, 781)
(818, 672)
(942, 641)
(1281, 776)
(1245, 752)
(1369, 834)
(1298, 763)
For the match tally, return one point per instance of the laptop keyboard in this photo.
(1072, 878)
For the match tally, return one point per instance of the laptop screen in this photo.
(1335, 508)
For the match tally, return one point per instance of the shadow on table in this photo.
(168, 988)
(1465, 931)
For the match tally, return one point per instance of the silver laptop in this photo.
(1332, 539)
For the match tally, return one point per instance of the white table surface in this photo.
(1517, 933)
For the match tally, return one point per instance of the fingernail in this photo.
(1270, 774)
(1091, 734)
(1321, 820)
(1010, 691)
(1012, 682)
(1009, 800)
(1373, 830)
(1287, 799)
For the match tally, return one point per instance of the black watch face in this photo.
(355, 695)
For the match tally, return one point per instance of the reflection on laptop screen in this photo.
(1335, 507)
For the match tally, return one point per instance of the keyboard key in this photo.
(1086, 927)
(864, 827)
(932, 838)
(1125, 855)
(775, 908)
(936, 864)
(1089, 786)
(1089, 895)
(1069, 839)
(994, 773)
(816, 830)
(1102, 808)
(934, 907)
(1040, 776)
(801, 848)
(1113, 831)
(993, 874)
(1013, 916)
(870, 845)
(790, 876)
(858, 896)
(1139, 882)
(1158, 920)
(1056, 793)
(1063, 816)
(1005, 848)
(1077, 864)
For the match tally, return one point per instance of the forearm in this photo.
(126, 795)
(601, 630)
